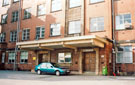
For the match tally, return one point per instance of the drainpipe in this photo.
(113, 35)
(17, 37)
(83, 18)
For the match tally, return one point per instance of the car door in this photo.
(43, 67)
(50, 68)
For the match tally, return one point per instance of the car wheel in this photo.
(39, 72)
(57, 73)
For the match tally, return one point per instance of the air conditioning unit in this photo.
(128, 26)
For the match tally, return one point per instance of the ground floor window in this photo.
(3, 57)
(124, 55)
(11, 57)
(64, 57)
(24, 57)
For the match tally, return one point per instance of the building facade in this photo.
(77, 34)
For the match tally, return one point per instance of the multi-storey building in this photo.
(77, 34)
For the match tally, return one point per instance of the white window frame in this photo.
(95, 24)
(13, 36)
(41, 9)
(121, 22)
(27, 13)
(5, 2)
(56, 5)
(11, 57)
(74, 27)
(41, 32)
(24, 57)
(15, 1)
(63, 56)
(55, 29)
(74, 3)
(124, 56)
(3, 57)
(2, 37)
(15, 16)
(96, 1)
(4, 18)
(26, 34)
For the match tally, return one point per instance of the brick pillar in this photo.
(80, 62)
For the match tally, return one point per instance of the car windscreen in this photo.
(55, 65)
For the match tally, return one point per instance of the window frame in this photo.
(13, 57)
(57, 9)
(27, 15)
(74, 6)
(3, 4)
(25, 61)
(2, 37)
(3, 57)
(41, 10)
(97, 28)
(26, 35)
(55, 26)
(40, 35)
(13, 36)
(75, 27)
(14, 16)
(65, 57)
(15, 1)
(5, 20)
(96, 2)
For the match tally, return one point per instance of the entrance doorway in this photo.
(90, 62)
(43, 58)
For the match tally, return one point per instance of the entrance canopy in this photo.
(67, 42)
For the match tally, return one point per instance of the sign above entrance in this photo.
(87, 50)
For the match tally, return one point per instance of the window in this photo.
(2, 37)
(27, 13)
(5, 2)
(40, 32)
(74, 3)
(41, 9)
(24, 57)
(3, 57)
(15, 16)
(74, 27)
(16, 0)
(13, 36)
(11, 57)
(97, 24)
(95, 1)
(122, 20)
(64, 57)
(56, 5)
(4, 19)
(26, 34)
(55, 29)
(124, 55)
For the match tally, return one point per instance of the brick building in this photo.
(77, 34)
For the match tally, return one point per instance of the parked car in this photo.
(51, 68)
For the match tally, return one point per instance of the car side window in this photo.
(43, 65)
(49, 66)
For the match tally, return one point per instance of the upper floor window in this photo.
(24, 57)
(26, 34)
(15, 16)
(56, 5)
(5, 2)
(74, 27)
(97, 24)
(11, 57)
(55, 29)
(13, 36)
(2, 37)
(64, 57)
(41, 9)
(15, 1)
(74, 3)
(4, 19)
(124, 55)
(122, 21)
(27, 13)
(40, 32)
(95, 1)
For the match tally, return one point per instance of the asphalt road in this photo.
(28, 78)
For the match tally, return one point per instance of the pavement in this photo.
(28, 78)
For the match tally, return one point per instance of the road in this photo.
(28, 78)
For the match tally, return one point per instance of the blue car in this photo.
(51, 68)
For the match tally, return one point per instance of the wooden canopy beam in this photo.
(46, 48)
